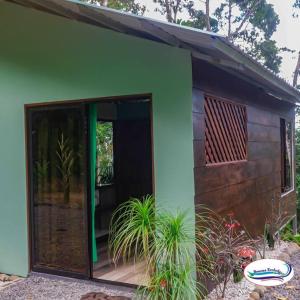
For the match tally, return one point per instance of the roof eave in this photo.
(276, 84)
(203, 45)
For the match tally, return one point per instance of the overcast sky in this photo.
(287, 35)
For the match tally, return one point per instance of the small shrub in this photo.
(227, 240)
(238, 275)
(287, 234)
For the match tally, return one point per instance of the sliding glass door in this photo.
(58, 189)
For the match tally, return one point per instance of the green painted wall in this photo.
(48, 58)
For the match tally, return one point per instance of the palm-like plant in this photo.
(132, 230)
(65, 157)
(165, 242)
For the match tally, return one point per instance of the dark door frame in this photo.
(44, 269)
(28, 108)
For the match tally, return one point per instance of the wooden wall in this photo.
(245, 188)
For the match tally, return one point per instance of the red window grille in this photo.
(225, 131)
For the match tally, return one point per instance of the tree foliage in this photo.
(171, 8)
(125, 5)
(297, 68)
(201, 19)
(248, 24)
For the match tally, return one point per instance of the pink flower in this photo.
(163, 283)
(246, 252)
(205, 250)
(232, 225)
(221, 261)
(244, 264)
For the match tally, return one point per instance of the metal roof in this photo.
(208, 46)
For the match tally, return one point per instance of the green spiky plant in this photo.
(132, 231)
(65, 157)
(165, 242)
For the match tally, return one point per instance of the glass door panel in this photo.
(57, 150)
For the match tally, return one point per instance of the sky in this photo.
(287, 35)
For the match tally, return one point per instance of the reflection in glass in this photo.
(105, 168)
(58, 189)
(287, 155)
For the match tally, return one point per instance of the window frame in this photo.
(292, 189)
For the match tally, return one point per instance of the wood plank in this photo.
(262, 117)
(226, 127)
(261, 133)
(214, 131)
(199, 153)
(198, 101)
(227, 197)
(216, 177)
(127, 273)
(268, 183)
(261, 150)
(198, 126)
(225, 130)
(222, 84)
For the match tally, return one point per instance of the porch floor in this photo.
(126, 273)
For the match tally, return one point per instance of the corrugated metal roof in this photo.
(208, 46)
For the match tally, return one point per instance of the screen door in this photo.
(58, 189)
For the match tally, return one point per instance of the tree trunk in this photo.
(297, 71)
(246, 17)
(169, 12)
(229, 17)
(207, 15)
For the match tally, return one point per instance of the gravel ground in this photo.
(47, 287)
(290, 290)
(241, 290)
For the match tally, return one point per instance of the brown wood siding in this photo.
(245, 187)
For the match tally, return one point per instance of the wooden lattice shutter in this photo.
(225, 131)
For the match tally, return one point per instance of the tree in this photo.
(248, 24)
(201, 19)
(297, 72)
(207, 15)
(297, 68)
(124, 5)
(171, 8)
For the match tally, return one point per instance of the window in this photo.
(105, 156)
(225, 131)
(286, 130)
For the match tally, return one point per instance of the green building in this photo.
(189, 118)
